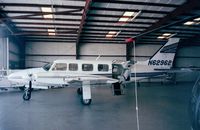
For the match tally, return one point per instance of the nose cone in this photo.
(14, 76)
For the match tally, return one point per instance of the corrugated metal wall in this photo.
(105, 51)
(11, 53)
(39, 52)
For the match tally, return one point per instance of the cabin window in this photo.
(103, 67)
(73, 67)
(60, 67)
(87, 67)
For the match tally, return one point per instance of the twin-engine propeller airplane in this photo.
(63, 73)
(87, 73)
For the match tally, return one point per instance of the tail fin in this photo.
(164, 57)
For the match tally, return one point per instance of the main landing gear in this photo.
(85, 93)
(27, 92)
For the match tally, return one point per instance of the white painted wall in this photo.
(107, 51)
(144, 52)
(50, 48)
(48, 52)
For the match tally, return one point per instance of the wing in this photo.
(63, 79)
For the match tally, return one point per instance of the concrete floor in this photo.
(161, 107)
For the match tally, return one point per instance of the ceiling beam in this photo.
(116, 22)
(115, 26)
(58, 5)
(41, 32)
(132, 10)
(35, 12)
(47, 40)
(40, 23)
(137, 3)
(105, 29)
(102, 42)
(48, 36)
(105, 32)
(45, 28)
(45, 19)
(84, 16)
(53, 38)
(118, 16)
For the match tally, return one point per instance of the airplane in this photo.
(65, 72)
(87, 73)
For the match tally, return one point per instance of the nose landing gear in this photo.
(27, 92)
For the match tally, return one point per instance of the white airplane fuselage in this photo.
(50, 75)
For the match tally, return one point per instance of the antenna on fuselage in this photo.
(98, 57)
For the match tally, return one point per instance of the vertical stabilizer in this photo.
(164, 57)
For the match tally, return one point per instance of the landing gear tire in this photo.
(86, 101)
(27, 96)
(79, 91)
(27, 93)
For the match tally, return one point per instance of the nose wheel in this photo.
(27, 92)
(27, 95)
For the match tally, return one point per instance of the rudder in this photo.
(164, 57)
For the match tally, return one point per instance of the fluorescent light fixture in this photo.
(112, 32)
(109, 36)
(47, 10)
(123, 19)
(197, 19)
(167, 34)
(52, 34)
(160, 37)
(128, 13)
(51, 30)
(126, 16)
(49, 16)
(189, 23)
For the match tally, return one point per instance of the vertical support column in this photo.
(129, 48)
(7, 54)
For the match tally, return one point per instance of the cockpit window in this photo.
(47, 66)
(60, 67)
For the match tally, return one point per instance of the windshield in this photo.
(47, 66)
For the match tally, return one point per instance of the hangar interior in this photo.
(35, 32)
